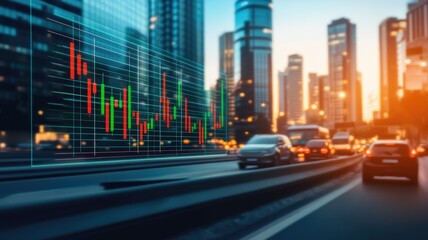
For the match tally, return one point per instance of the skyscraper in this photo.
(389, 85)
(176, 37)
(323, 92)
(226, 69)
(314, 90)
(17, 45)
(282, 92)
(253, 66)
(416, 77)
(342, 72)
(178, 28)
(295, 111)
(359, 94)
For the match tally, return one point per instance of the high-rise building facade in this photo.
(323, 93)
(342, 62)
(177, 26)
(416, 77)
(282, 92)
(295, 111)
(389, 85)
(176, 38)
(359, 95)
(17, 47)
(226, 69)
(314, 91)
(253, 64)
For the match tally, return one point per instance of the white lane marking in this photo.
(289, 219)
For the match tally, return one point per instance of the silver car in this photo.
(264, 150)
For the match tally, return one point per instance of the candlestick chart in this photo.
(116, 97)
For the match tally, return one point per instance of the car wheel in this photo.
(242, 166)
(367, 178)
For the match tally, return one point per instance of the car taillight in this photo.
(300, 150)
(324, 150)
(413, 153)
(307, 150)
(420, 149)
(368, 153)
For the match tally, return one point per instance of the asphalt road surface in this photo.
(389, 208)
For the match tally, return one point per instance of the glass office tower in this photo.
(15, 67)
(342, 72)
(253, 66)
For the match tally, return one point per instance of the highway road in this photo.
(389, 208)
(94, 180)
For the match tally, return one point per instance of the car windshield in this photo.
(390, 150)
(263, 140)
(316, 144)
(340, 141)
(301, 137)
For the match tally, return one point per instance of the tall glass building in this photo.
(389, 85)
(253, 65)
(226, 67)
(15, 68)
(342, 62)
(126, 20)
(294, 93)
(176, 37)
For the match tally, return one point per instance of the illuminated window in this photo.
(242, 94)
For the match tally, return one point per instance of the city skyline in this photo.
(293, 36)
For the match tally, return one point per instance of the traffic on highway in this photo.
(202, 119)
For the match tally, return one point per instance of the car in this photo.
(318, 150)
(263, 150)
(343, 143)
(422, 150)
(365, 148)
(390, 158)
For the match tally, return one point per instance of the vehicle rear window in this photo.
(316, 144)
(263, 140)
(301, 137)
(390, 150)
(340, 141)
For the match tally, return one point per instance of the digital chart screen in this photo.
(109, 95)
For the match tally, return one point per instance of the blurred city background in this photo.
(359, 67)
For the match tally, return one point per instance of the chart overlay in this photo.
(114, 97)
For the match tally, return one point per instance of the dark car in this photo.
(390, 158)
(422, 150)
(266, 150)
(318, 150)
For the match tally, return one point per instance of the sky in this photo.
(300, 26)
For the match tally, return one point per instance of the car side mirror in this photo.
(280, 143)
